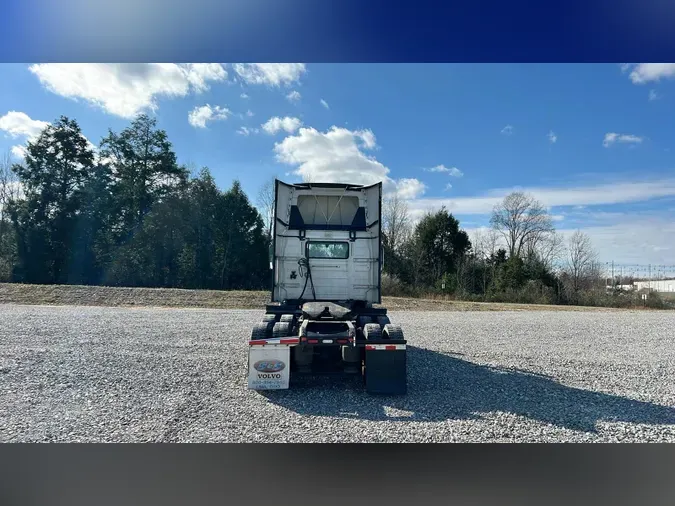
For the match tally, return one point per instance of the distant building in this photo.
(661, 285)
(626, 288)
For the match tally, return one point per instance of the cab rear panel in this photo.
(337, 227)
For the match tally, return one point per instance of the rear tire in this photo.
(372, 331)
(260, 331)
(392, 332)
(269, 317)
(281, 329)
(287, 318)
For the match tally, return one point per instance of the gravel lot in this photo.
(113, 374)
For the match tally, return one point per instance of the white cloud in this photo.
(199, 74)
(19, 151)
(19, 124)
(271, 74)
(507, 130)
(642, 73)
(244, 96)
(127, 89)
(276, 124)
(452, 171)
(248, 114)
(633, 240)
(612, 138)
(199, 116)
(552, 137)
(653, 95)
(324, 103)
(368, 138)
(338, 156)
(245, 131)
(639, 240)
(294, 96)
(448, 187)
(602, 194)
(410, 188)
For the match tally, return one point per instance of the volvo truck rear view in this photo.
(326, 267)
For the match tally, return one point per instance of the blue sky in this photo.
(592, 142)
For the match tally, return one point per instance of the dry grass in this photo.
(13, 293)
(412, 304)
(125, 297)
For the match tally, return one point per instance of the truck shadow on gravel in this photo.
(443, 387)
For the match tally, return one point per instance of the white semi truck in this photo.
(326, 267)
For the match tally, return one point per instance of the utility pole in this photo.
(613, 283)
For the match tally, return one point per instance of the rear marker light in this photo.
(385, 347)
(264, 342)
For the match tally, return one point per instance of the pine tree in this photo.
(57, 167)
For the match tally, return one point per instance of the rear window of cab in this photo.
(333, 250)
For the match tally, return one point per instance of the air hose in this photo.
(303, 263)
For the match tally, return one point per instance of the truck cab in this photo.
(326, 243)
(326, 276)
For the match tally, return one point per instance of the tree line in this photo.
(519, 258)
(125, 214)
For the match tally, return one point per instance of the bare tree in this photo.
(521, 219)
(478, 241)
(9, 190)
(581, 261)
(546, 248)
(485, 242)
(265, 202)
(480, 245)
(396, 223)
(8, 181)
(491, 242)
(192, 169)
(9, 184)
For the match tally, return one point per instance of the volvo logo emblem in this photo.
(269, 366)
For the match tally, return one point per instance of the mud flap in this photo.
(269, 365)
(386, 369)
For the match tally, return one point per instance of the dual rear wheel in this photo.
(270, 328)
(373, 331)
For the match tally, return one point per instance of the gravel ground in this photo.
(115, 374)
